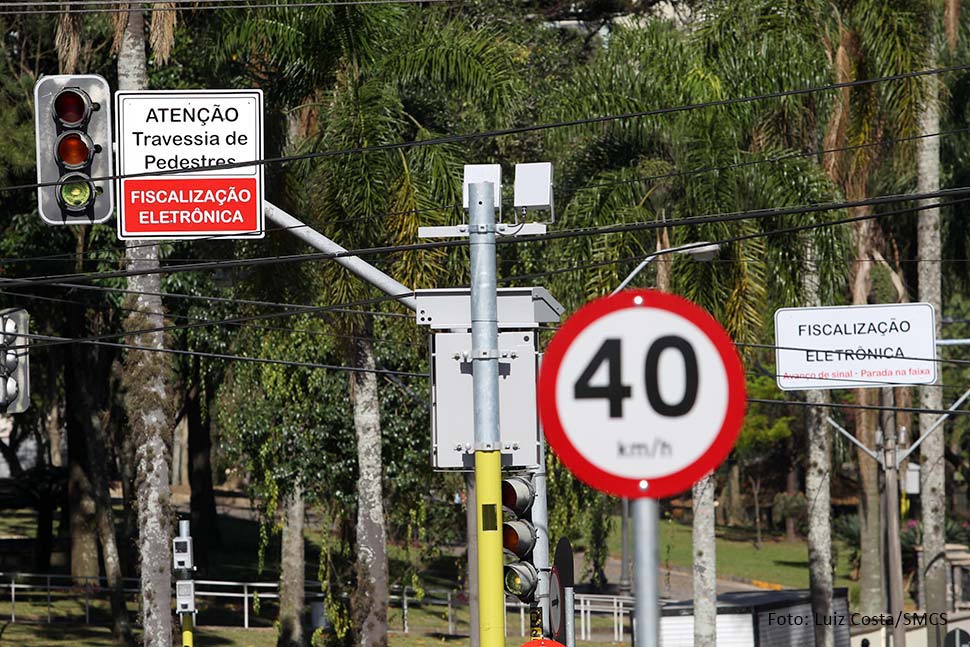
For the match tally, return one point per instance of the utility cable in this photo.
(516, 130)
(185, 317)
(588, 231)
(225, 356)
(394, 297)
(684, 173)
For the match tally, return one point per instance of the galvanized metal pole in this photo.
(892, 533)
(569, 600)
(357, 266)
(540, 553)
(646, 563)
(488, 457)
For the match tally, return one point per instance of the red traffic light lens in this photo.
(73, 150)
(71, 107)
(510, 539)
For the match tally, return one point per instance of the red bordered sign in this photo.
(641, 394)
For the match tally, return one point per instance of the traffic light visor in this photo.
(521, 579)
(519, 537)
(74, 149)
(75, 191)
(517, 495)
(71, 107)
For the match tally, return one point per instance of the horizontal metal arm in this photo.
(939, 421)
(357, 266)
(854, 440)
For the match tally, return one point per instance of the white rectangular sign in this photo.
(842, 347)
(168, 130)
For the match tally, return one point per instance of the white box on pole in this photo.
(162, 131)
(840, 347)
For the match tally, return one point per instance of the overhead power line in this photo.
(589, 231)
(871, 407)
(516, 130)
(649, 178)
(733, 239)
(185, 317)
(560, 270)
(240, 358)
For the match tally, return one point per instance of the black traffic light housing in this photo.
(14, 361)
(519, 537)
(72, 122)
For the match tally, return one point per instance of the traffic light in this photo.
(14, 367)
(72, 123)
(519, 537)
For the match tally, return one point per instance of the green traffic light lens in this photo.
(76, 192)
(513, 583)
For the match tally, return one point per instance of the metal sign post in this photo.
(488, 442)
(621, 383)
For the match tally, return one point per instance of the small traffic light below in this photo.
(519, 537)
(72, 121)
(14, 366)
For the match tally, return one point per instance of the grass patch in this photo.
(778, 561)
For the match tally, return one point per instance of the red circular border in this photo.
(659, 487)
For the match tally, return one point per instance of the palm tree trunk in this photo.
(148, 398)
(291, 632)
(705, 564)
(932, 472)
(371, 595)
(818, 481)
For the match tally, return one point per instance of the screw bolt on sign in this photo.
(641, 394)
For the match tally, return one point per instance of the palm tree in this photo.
(722, 59)
(148, 379)
(393, 76)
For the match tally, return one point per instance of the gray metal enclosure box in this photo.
(452, 423)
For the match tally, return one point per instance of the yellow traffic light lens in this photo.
(73, 150)
(76, 191)
(71, 107)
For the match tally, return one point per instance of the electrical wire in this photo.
(212, 298)
(225, 356)
(872, 407)
(733, 239)
(685, 173)
(200, 324)
(772, 160)
(185, 317)
(393, 297)
(211, 237)
(588, 231)
(516, 130)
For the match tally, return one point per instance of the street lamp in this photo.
(646, 512)
(700, 251)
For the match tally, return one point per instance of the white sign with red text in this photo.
(842, 347)
(167, 141)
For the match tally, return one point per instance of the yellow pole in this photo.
(187, 629)
(491, 565)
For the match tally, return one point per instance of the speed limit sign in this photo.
(641, 394)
